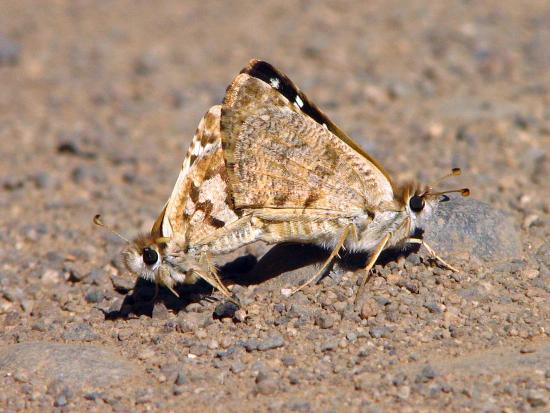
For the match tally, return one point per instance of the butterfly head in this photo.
(149, 257)
(420, 200)
(144, 257)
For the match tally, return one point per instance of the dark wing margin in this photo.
(281, 82)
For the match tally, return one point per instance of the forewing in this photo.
(199, 203)
(282, 83)
(277, 155)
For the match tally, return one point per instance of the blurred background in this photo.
(100, 99)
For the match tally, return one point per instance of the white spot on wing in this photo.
(198, 217)
(197, 148)
(166, 227)
(299, 102)
(215, 191)
(274, 82)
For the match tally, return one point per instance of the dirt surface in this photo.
(98, 103)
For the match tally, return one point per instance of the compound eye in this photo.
(416, 203)
(150, 256)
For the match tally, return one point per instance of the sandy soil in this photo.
(98, 103)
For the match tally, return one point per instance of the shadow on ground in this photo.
(247, 270)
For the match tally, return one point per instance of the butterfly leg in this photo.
(370, 264)
(220, 285)
(214, 280)
(335, 250)
(164, 279)
(431, 252)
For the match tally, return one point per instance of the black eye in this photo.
(150, 256)
(416, 203)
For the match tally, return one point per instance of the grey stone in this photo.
(238, 366)
(329, 345)
(122, 284)
(226, 309)
(80, 332)
(288, 361)
(146, 64)
(464, 225)
(325, 321)
(12, 182)
(382, 300)
(379, 332)
(79, 365)
(426, 374)
(43, 180)
(536, 398)
(10, 51)
(272, 342)
(181, 379)
(188, 322)
(75, 273)
(60, 401)
(434, 307)
(266, 384)
(251, 345)
(198, 350)
(94, 295)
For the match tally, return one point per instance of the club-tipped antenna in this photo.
(454, 172)
(461, 191)
(99, 223)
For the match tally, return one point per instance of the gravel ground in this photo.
(99, 101)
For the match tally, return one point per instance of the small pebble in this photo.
(238, 367)
(379, 332)
(43, 180)
(213, 344)
(50, 277)
(122, 284)
(271, 343)
(426, 374)
(198, 350)
(94, 295)
(286, 292)
(288, 361)
(226, 309)
(80, 332)
(325, 321)
(240, 315)
(181, 379)
(10, 51)
(60, 401)
(537, 398)
(369, 309)
(330, 345)
(265, 384)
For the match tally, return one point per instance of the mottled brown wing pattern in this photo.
(277, 157)
(200, 201)
(282, 83)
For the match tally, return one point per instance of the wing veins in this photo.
(312, 172)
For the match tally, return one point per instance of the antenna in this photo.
(99, 223)
(462, 191)
(454, 172)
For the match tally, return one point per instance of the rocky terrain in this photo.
(99, 101)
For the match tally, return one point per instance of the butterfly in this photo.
(184, 238)
(299, 178)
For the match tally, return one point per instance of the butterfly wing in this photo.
(283, 152)
(199, 203)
